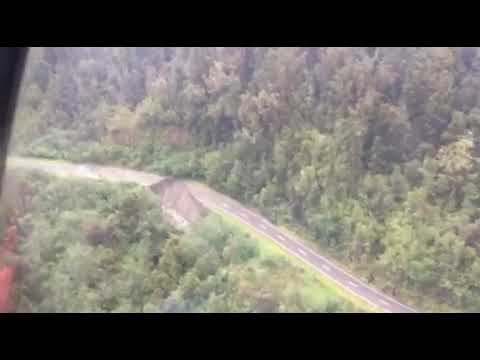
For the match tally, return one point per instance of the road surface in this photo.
(218, 202)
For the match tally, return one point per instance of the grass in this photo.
(426, 304)
(317, 288)
(305, 238)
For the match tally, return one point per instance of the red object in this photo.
(7, 273)
(6, 284)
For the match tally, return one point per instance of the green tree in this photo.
(399, 185)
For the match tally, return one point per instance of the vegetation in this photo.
(95, 247)
(372, 152)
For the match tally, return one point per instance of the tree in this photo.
(217, 304)
(399, 185)
(216, 169)
(325, 228)
(207, 264)
(235, 184)
(372, 151)
(413, 173)
(189, 285)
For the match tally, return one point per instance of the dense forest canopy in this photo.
(370, 152)
(97, 247)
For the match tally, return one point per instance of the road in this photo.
(219, 202)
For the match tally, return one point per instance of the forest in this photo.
(96, 247)
(370, 153)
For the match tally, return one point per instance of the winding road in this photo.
(216, 202)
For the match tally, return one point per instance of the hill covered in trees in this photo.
(90, 246)
(371, 152)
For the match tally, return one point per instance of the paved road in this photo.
(218, 202)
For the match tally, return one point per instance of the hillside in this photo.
(93, 246)
(372, 153)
